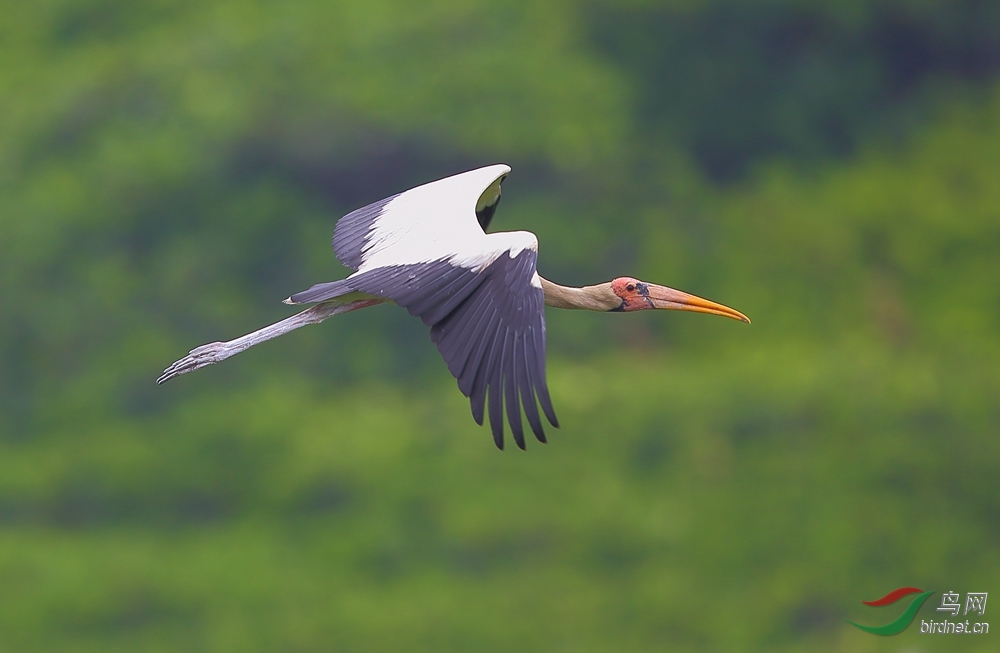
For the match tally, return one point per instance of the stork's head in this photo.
(638, 295)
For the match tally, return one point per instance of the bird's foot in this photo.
(198, 358)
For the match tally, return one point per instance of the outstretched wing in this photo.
(428, 223)
(487, 321)
(425, 223)
(426, 249)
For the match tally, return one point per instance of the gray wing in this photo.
(489, 326)
(352, 230)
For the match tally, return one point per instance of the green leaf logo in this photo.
(900, 623)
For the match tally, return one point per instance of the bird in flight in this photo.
(427, 250)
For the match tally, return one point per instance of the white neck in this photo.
(588, 298)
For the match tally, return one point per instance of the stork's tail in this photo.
(321, 292)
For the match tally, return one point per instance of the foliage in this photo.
(169, 171)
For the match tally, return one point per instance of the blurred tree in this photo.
(169, 169)
(730, 82)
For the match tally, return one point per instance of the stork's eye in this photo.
(630, 287)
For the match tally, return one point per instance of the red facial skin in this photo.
(634, 294)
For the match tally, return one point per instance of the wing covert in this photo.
(423, 224)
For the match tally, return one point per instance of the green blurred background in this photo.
(170, 170)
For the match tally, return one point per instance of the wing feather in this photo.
(494, 377)
(510, 390)
(538, 336)
(458, 348)
(527, 393)
(426, 250)
(352, 231)
(482, 367)
(423, 224)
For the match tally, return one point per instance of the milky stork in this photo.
(427, 250)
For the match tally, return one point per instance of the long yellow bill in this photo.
(677, 300)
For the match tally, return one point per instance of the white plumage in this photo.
(436, 222)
